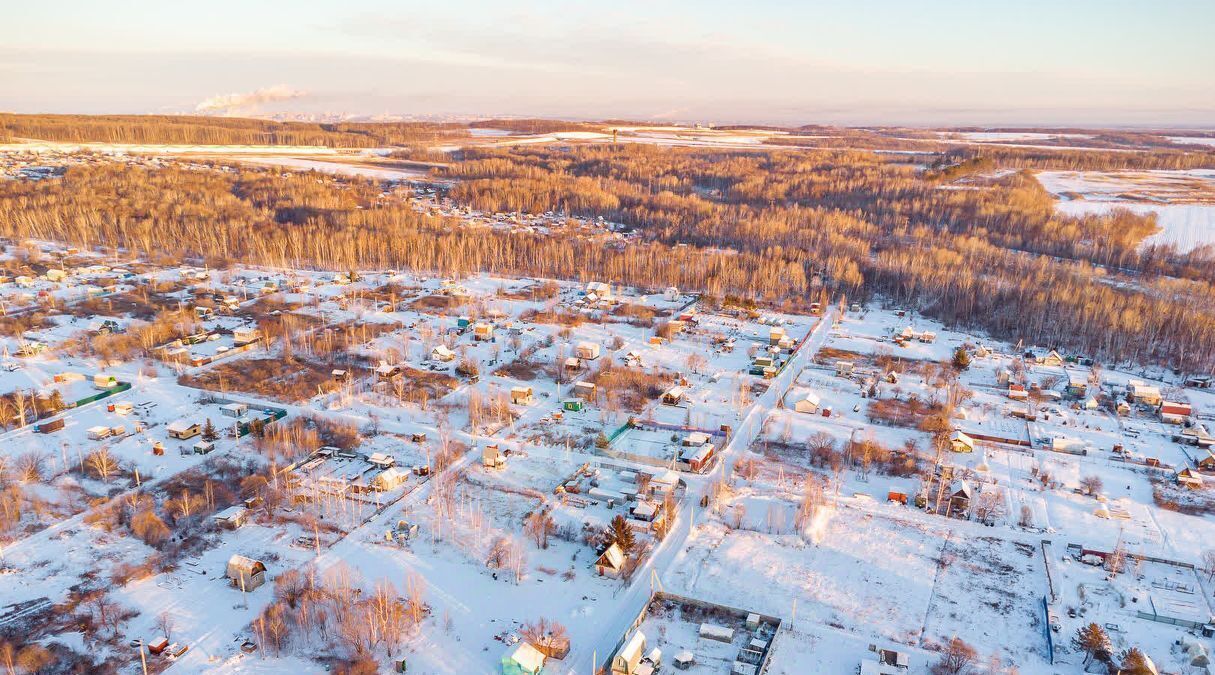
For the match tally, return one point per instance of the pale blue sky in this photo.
(863, 62)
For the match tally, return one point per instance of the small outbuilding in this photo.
(522, 659)
(183, 430)
(587, 351)
(807, 402)
(246, 573)
(611, 562)
(584, 390)
(674, 396)
(231, 517)
(492, 457)
(960, 442)
(627, 660)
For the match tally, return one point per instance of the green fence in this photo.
(116, 389)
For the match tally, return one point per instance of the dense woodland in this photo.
(186, 130)
(776, 226)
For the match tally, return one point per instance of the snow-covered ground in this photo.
(859, 570)
(1183, 201)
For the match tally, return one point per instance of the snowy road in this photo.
(585, 657)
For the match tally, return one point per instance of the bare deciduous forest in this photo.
(773, 225)
(178, 129)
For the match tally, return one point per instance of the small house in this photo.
(697, 458)
(102, 381)
(584, 390)
(674, 396)
(671, 294)
(234, 410)
(56, 275)
(1017, 392)
(572, 363)
(98, 433)
(1123, 408)
(627, 661)
(1174, 413)
(245, 336)
(521, 395)
(587, 351)
(807, 402)
(844, 368)
(522, 659)
(483, 332)
(231, 517)
(644, 510)
(183, 430)
(340, 375)
(203, 447)
(573, 405)
(1051, 358)
(775, 335)
(385, 372)
(1189, 478)
(600, 290)
(696, 439)
(960, 496)
(492, 457)
(442, 354)
(381, 460)
(960, 442)
(1077, 384)
(1138, 392)
(389, 479)
(245, 573)
(611, 562)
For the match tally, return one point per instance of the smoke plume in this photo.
(226, 104)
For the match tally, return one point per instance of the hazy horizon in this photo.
(879, 62)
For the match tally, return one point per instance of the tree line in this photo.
(199, 130)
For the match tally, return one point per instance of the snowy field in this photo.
(1170, 195)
